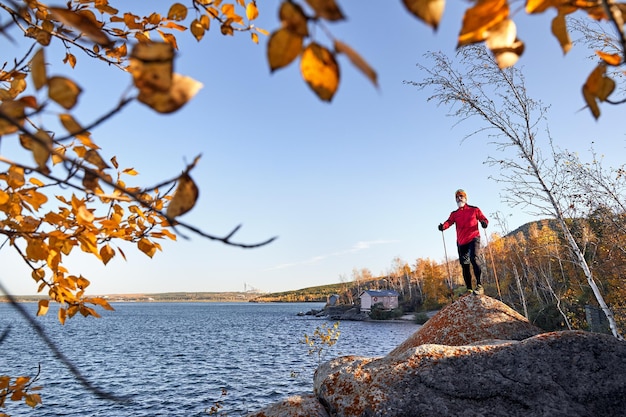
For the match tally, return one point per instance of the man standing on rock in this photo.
(466, 219)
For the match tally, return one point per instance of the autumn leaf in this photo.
(610, 59)
(293, 18)
(147, 247)
(283, 48)
(42, 310)
(63, 91)
(151, 65)
(326, 9)
(428, 11)
(41, 148)
(320, 70)
(503, 43)
(184, 198)
(106, 253)
(597, 87)
(251, 11)
(357, 61)
(177, 12)
(559, 30)
(181, 91)
(480, 18)
(38, 69)
(83, 21)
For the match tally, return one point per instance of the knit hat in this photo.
(460, 192)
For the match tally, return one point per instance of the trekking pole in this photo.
(493, 265)
(449, 280)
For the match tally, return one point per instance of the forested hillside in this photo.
(530, 269)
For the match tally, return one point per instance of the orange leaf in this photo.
(83, 21)
(540, 6)
(610, 59)
(147, 247)
(43, 308)
(64, 91)
(106, 253)
(356, 60)
(184, 198)
(428, 11)
(282, 48)
(480, 18)
(182, 90)
(320, 70)
(326, 9)
(177, 12)
(38, 69)
(251, 11)
(559, 30)
(293, 18)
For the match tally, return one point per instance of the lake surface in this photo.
(174, 359)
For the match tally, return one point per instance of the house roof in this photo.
(380, 293)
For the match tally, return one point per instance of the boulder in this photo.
(476, 357)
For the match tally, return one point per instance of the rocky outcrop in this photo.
(477, 357)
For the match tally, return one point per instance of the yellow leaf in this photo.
(320, 70)
(508, 56)
(71, 125)
(357, 61)
(43, 308)
(38, 69)
(83, 21)
(15, 111)
(610, 59)
(282, 48)
(540, 6)
(4, 197)
(93, 157)
(151, 65)
(36, 250)
(41, 145)
(177, 12)
(64, 91)
(84, 215)
(326, 9)
(254, 37)
(130, 171)
(62, 315)
(184, 198)
(559, 30)
(597, 87)
(106, 253)
(147, 247)
(480, 18)
(293, 18)
(251, 11)
(197, 29)
(181, 91)
(428, 11)
(503, 43)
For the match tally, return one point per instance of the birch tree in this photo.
(477, 88)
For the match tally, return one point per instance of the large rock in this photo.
(477, 357)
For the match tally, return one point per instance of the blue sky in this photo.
(350, 184)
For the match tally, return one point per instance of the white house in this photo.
(388, 298)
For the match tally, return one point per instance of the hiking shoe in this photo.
(469, 291)
(479, 289)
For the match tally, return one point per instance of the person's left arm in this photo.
(484, 222)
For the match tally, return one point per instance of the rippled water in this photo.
(174, 359)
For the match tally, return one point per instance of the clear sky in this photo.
(350, 184)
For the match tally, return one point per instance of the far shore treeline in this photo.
(529, 269)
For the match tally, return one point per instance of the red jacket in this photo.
(466, 219)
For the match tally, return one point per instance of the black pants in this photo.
(470, 254)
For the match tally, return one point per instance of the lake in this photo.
(174, 359)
